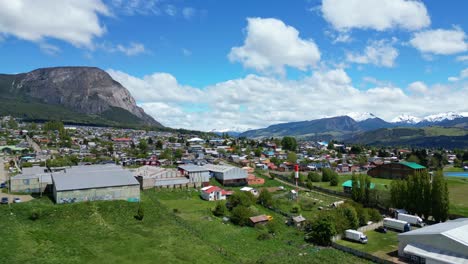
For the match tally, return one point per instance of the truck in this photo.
(412, 219)
(396, 224)
(356, 236)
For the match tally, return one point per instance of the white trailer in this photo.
(396, 224)
(412, 219)
(356, 236)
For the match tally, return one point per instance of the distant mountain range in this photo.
(369, 129)
(80, 95)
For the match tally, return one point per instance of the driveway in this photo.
(3, 178)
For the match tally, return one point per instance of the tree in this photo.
(240, 215)
(159, 144)
(143, 146)
(258, 152)
(413, 158)
(355, 190)
(265, 198)
(321, 231)
(289, 143)
(292, 157)
(220, 209)
(314, 176)
(150, 141)
(351, 216)
(334, 179)
(440, 197)
(178, 154)
(326, 174)
(240, 199)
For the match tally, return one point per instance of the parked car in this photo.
(381, 229)
(17, 200)
(2, 185)
(4, 200)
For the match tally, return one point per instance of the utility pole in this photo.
(296, 176)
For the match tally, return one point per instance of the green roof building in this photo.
(396, 170)
(348, 186)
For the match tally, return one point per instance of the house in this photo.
(348, 186)
(213, 193)
(298, 221)
(97, 182)
(260, 219)
(440, 243)
(396, 170)
(249, 189)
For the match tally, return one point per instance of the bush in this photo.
(334, 179)
(175, 211)
(363, 216)
(220, 209)
(26, 165)
(314, 177)
(273, 227)
(321, 231)
(240, 215)
(295, 209)
(245, 199)
(140, 214)
(307, 205)
(264, 236)
(265, 198)
(35, 215)
(326, 174)
(374, 215)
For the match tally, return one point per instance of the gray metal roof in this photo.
(193, 168)
(89, 179)
(439, 256)
(455, 229)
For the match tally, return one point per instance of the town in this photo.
(237, 196)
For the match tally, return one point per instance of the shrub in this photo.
(265, 198)
(295, 209)
(273, 227)
(334, 179)
(26, 165)
(245, 199)
(314, 176)
(35, 215)
(264, 236)
(326, 174)
(240, 215)
(175, 211)
(363, 216)
(220, 209)
(321, 231)
(374, 215)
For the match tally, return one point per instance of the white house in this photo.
(213, 193)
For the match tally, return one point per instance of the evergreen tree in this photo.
(355, 191)
(440, 197)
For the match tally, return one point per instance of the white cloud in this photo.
(171, 10)
(75, 22)
(188, 12)
(270, 45)
(136, 7)
(258, 101)
(440, 41)
(418, 87)
(132, 50)
(462, 58)
(380, 15)
(49, 49)
(463, 75)
(380, 53)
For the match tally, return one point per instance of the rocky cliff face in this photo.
(87, 90)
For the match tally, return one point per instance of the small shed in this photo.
(348, 186)
(259, 219)
(298, 221)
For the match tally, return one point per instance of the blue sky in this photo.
(247, 64)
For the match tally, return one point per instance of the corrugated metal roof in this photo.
(412, 165)
(455, 229)
(193, 168)
(434, 254)
(89, 179)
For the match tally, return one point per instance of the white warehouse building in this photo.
(440, 243)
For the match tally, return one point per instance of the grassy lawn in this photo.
(380, 184)
(106, 232)
(379, 244)
(458, 188)
(453, 169)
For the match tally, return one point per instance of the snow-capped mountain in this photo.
(444, 116)
(406, 119)
(358, 117)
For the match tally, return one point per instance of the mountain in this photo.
(444, 116)
(72, 94)
(430, 137)
(320, 128)
(357, 116)
(406, 120)
(374, 123)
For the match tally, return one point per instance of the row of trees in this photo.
(419, 195)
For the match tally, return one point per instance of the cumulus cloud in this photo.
(440, 41)
(379, 15)
(380, 53)
(270, 45)
(259, 101)
(418, 87)
(136, 7)
(131, 50)
(462, 58)
(75, 22)
(463, 75)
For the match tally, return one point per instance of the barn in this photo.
(86, 183)
(440, 243)
(228, 175)
(396, 170)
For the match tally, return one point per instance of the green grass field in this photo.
(106, 232)
(378, 244)
(458, 189)
(380, 184)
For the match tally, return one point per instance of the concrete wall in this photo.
(128, 193)
(32, 185)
